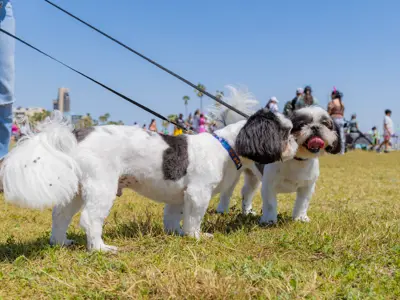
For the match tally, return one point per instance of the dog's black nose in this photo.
(314, 128)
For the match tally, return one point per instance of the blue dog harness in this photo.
(232, 153)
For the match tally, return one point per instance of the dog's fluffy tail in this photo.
(41, 170)
(240, 99)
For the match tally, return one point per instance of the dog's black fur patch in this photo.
(82, 133)
(262, 138)
(300, 120)
(175, 157)
(337, 145)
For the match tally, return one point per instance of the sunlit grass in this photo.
(351, 248)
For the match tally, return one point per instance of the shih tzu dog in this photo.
(86, 168)
(315, 133)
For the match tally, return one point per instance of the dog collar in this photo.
(300, 159)
(232, 153)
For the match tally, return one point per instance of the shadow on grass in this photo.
(141, 225)
(12, 249)
(149, 225)
(234, 221)
(228, 223)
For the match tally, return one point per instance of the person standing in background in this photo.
(272, 105)
(387, 131)
(202, 124)
(290, 105)
(353, 128)
(189, 121)
(336, 111)
(375, 137)
(182, 125)
(153, 125)
(7, 75)
(307, 99)
(196, 121)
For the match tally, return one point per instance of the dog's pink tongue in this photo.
(316, 143)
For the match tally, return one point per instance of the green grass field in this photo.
(350, 250)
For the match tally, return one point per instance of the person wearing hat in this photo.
(307, 99)
(272, 105)
(290, 105)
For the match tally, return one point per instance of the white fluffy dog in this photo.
(316, 133)
(86, 168)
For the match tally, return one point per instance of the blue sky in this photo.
(272, 47)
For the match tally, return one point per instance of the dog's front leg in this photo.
(269, 204)
(194, 208)
(303, 198)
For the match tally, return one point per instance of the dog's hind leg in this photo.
(303, 198)
(251, 184)
(98, 197)
(62, 216)
(225, 197)
(173, 214)
(194, 208)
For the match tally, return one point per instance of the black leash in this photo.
(95, 81)
(149, 60)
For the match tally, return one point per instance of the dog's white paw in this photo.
(194, 235)
(107, 248)
(249, 212)
(304, 219)
(207, 235)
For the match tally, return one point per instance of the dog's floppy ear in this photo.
(262, 138)
(336, 147)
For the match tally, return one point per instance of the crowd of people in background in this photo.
(349, 130)
(194, 123)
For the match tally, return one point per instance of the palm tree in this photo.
(107, 116)
(186, 101)
(172, 117)
(200, 95)
(104, 118)
(165, 125)
(38, 117)
(87, 120)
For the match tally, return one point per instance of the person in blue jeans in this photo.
(7, 75)
(336, 111)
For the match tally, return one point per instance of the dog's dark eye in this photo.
(297, 127)
(327, 123)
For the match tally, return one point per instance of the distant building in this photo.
(63, 101)
(20, 112)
